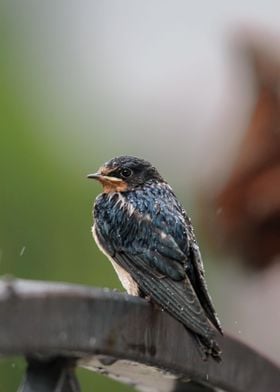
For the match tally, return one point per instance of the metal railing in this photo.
(57, 327)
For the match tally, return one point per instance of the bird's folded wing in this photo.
(176, 297)
(199, 284)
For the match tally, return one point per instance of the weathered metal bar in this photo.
(122, 336)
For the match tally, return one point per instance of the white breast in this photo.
(128, 283)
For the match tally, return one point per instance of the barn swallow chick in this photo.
(146, 234)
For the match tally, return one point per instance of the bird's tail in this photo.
(208, 347)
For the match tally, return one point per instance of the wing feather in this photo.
(177, 298)
(199, 284)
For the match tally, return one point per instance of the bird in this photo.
(142, 228)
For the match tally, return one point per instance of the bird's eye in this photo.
(125, 172)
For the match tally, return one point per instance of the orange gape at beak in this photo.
(110, 184)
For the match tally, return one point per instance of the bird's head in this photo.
(125, 173)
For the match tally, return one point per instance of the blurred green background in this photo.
(81, 82)
(45, 199)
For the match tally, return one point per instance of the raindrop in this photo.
(22, 251)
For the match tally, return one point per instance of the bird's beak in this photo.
(94, 176)
(109, 183)
(104, 179)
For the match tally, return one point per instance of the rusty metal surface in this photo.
(123, 337)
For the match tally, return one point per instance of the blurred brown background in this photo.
(196, 93)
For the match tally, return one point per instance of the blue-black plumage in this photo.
(145, 232)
